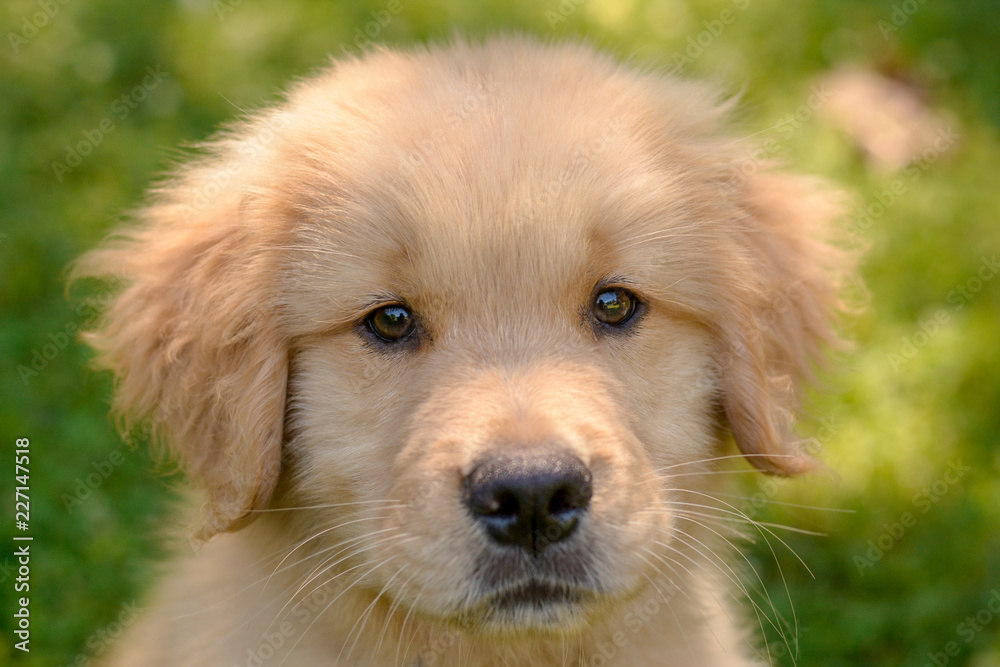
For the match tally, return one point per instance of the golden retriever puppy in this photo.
(453, 340)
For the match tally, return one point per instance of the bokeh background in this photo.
(898, 100)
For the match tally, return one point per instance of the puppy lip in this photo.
(538, 593)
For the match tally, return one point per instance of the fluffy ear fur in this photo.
(194, 340)
(776, 325)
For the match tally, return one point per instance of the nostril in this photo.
(564, 500)
(505, 504)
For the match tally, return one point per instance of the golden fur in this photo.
(491, 188)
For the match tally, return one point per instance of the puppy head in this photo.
(480, 301)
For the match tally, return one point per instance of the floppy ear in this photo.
(194, 341)
(781, 317)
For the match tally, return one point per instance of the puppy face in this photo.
(507, 368)
(510, 358)
(475, 306)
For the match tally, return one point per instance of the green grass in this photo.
(898, 422)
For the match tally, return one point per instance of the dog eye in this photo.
(391, 323)
(614, 306)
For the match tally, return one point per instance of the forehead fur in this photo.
(550, 167)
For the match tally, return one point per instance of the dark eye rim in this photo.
(370, 327)
(634, 313)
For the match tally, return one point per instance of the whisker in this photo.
(758, 611)
(326, 566)
(661, 235)
(389, 502)
(756, 524)
(276, 571)
(700, 566)
(708, 473)
(375, 514)
(673, 612)
(783, 504)
(319, 251)
(692, 577)
(366, 615)
(672, 564)
(781, 571)
(501, 650)
(389, 615)
(264, 607)
(683, 535)
(748, 521)
(406, 620)
(711, 459)
(725, 457)
(319, 534)
(330, 604)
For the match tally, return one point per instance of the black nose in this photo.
(529, 500)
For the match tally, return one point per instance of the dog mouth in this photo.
(539, 595)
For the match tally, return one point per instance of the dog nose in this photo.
(529, 500)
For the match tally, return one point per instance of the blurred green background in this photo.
(909, 422)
